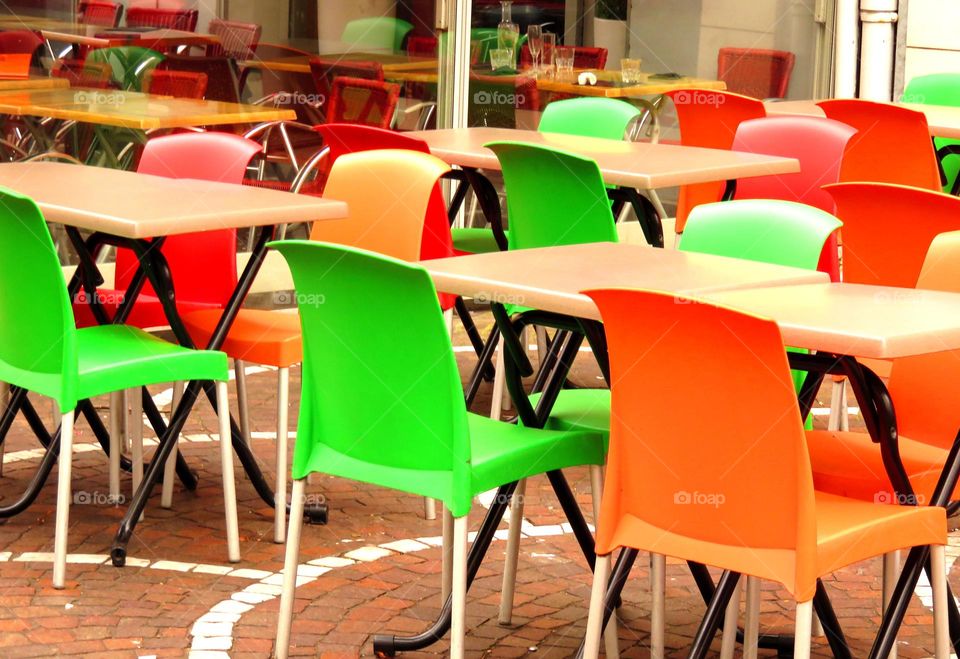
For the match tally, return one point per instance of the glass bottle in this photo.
(508, 32)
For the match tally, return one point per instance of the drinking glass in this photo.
(549, 49)
(501, 58)
(535, 44)
(564, 60)
(630, 70)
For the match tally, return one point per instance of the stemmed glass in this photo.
(535, 44)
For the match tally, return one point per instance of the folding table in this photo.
(550, 279)
(841, 322)
(631, 165)
(137, 211)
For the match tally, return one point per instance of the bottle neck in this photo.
(506, 13)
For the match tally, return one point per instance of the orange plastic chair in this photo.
(892, 144)
(709, 119)
(387, 218)
(756, 72)
(927, 408)
(725, 484)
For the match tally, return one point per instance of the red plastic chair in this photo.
(237, 40)
(96, 12)
(180, 84)
(200, 283)
(365, 102)
(709, 120)
(222, 82)
(755, 72)
(20, 42)
(83, 73)
(174, 19)
(819, 145)
(892, 144)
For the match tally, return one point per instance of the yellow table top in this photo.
(133, 109)
(33, 82)
(391, 62)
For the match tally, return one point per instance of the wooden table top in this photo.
(33, 82)
(639, 165)
(133, 205)
(391, 62)
(135, 110)
(551, 278)
(944, 121)
(849, 319)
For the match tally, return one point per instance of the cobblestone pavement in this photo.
(374, 568)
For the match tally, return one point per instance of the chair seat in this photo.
(475, 241)
(848, 531)
(115, 357)
(260, 336)
(580, 409)
(850, 464)
(147, 312)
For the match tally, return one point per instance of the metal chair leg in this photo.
(64, 499)
(291, 559)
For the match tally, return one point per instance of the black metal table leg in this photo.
(715, 610)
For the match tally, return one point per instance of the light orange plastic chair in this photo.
(892, 144)
(709, 119)
(926, 402)
(726, 484)
(389, 221)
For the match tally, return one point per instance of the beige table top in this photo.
(391, 62)
(133, 109)
(853, 319)
(639, 165)
(33, 82)
(944, 121)
(134, 205)
(551, 278)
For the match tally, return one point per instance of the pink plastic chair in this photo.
(200, 283)
(819, 144)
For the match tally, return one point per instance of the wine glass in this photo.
(535, 44)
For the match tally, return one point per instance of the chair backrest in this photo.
(38, 348)
(325, 70)
(222, 82)
(553, 197)
(402, 424)
(180, 84)
(589, 117)
(887, 230)
(437, 243)
(766, 230)
(359, 101)
(82, 73)
(709, 119)
(928, 409)
(722, 473)
(892, 144)
(95, 12)
(128, 64)
(389, 220)
(756, 72)
(938, 89)
(22, 42)
(422, 46)
(210, 156)
(237, 39)
(819, 144)
(173, 19)
(382, 33)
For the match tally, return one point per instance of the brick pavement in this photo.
(178, 592)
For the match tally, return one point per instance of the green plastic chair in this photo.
(938, 89)
(378, 33)
(42, 351)
(128, 63)
(404, 424)
(607, 118)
